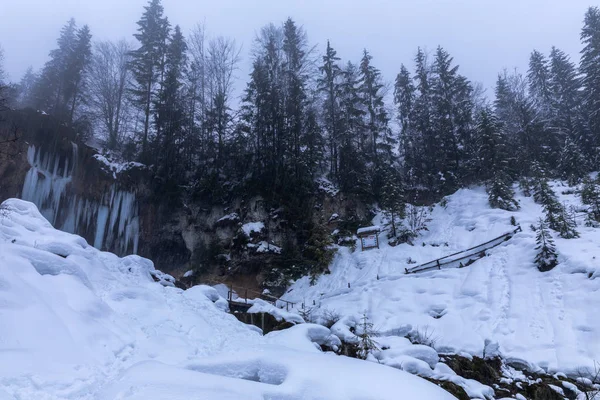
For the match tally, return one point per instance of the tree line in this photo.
(167, 101)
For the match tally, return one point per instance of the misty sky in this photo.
(484, 36)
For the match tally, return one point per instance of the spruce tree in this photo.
(493, 162)
(329, 85)
(52, 87)
(590, 196)
(392, 198)
(572, 164)
(590, 36)
(169, 107)
(547, 257)
(539, 84)
(147, 64)
(566, 99)
(381, 141)
(500, 193)
(77, 69)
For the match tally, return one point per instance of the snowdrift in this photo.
(77, 323)
(540, 320)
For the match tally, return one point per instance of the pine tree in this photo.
(381, 140)
(565, 86)
(410, 139)
(547, 257)
(493, 162)
(51, 89)
(365, 333)
(572, 164)
(77, 69)
(392, 198)
(353, 163)
(169, 107)
(590, 36)
(590, 196)
(500, 194)
(557, 217)
(564, 224)
(148, 64)
(329, 84)
(539, 84)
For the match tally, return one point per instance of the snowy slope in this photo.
(543, 320)
(77, 323)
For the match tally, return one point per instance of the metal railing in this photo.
(464, 258)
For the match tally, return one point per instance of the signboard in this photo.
(369, 241)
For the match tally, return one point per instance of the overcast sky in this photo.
(484, 36)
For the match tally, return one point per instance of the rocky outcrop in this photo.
(116, 206)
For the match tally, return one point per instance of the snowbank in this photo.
(77, 323)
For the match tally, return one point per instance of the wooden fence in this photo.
(463, 258)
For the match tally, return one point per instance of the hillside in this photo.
(541, 320)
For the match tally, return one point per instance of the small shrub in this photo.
(423, 335)
(329, 317)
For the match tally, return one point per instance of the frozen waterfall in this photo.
(111, 223)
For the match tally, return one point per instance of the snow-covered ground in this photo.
(77, 323)
(542, 320)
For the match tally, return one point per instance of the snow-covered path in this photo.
(545, 319)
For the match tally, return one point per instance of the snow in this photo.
(233, 217)
(368, 229)
(251, 227)
(116, 168)
(78, 323)
(266, 247)
(261, 306)
(540, 321)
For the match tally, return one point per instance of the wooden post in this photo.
(438, 264)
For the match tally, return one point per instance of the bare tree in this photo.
(108, 78)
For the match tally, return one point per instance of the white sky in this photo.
(484, 36)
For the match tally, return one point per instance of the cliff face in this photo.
(114, 207)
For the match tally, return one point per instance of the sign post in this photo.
(369, 237)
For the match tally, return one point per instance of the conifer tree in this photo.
(565, 86)
(493, 162)
(381, 141)
(353, 163)
(392, 198)
(539, 84)
(572, 164)
(365, 333)
(590, 196)
(547, 257)
(51, 89)
(77, 69)
(169, 107)
(148, 64)
(590, 36)
(329, 84)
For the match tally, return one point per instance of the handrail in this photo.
(435, 264)
(263, 296)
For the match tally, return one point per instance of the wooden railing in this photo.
(464, 258)
(241, 290)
